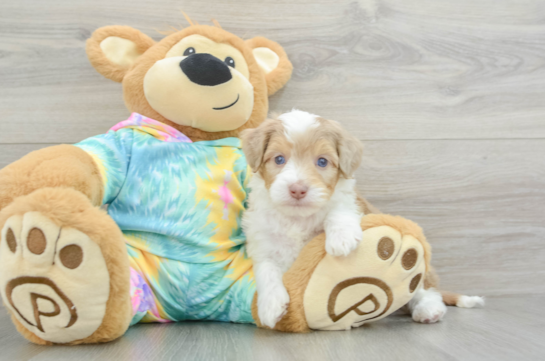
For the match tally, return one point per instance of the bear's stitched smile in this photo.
(230, 105)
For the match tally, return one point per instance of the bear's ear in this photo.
(112, 50)
(274, 62)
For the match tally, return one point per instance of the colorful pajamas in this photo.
(179, 205)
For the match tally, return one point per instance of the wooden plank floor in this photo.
(447, 96)
(509, 328)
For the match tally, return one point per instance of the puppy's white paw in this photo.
(470, 301)
(343, 238)
(272, 306)
(429, 311)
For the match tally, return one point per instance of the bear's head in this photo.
(202, 80)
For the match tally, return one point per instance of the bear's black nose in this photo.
(205, 69)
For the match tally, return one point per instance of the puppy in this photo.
(302, 186)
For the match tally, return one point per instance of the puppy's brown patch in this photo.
(256, 141)
(278, 145)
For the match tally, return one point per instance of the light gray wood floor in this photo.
(447, 96)
(509, 328)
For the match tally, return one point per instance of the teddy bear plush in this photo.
(173, 178)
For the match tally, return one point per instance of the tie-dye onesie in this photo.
(179, 205)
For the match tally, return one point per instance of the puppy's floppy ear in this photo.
(255, 142)
(350, 152)
(112, 50)
(273, 61)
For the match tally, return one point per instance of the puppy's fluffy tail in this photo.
(458, 300)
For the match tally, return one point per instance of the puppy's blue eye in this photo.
(322, 162)
(280, 160)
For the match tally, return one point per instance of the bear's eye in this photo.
(189, 51)
(229, 61)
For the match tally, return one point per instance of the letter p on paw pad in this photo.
(376, 279)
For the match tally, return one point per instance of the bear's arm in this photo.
(97, 167)
(57, 166)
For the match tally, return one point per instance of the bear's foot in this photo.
(55, 279)
(337, 293)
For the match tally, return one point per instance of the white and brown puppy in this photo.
(303, 185)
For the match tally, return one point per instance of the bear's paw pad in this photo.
(53, 279)
(376, 279)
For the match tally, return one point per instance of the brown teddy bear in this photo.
(170, 246)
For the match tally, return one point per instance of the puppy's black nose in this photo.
(205, 69)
